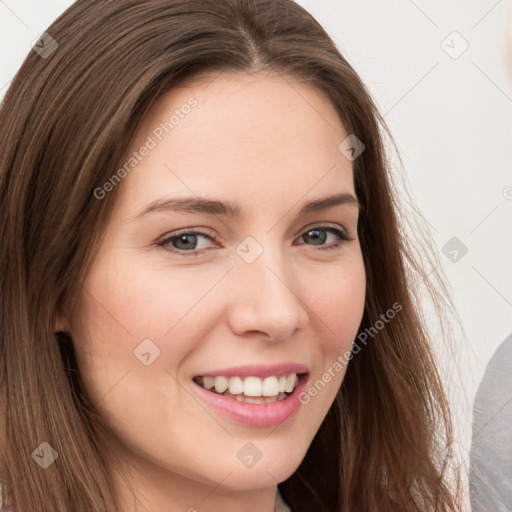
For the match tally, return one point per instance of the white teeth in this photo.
(221, 384)
(260, 399)
(291, 380)
(271, 386)
(208, 382)
(252, 386)
(236, 385)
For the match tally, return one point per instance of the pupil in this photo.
(315, 238)
(183, 238)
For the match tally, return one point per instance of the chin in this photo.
(252, 479)
(274, 467)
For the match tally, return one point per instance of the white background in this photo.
(451, 118)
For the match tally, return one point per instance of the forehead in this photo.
(239, 135)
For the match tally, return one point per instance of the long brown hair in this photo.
(65, 124)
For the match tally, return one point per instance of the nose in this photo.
(265, 298)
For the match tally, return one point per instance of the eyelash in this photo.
(342, 235)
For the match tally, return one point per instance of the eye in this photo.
(185, 242)
(318, 235)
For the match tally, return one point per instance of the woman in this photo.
(207, 304)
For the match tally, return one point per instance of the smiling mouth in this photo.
(252, 390)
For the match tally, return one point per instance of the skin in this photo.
(269, 145)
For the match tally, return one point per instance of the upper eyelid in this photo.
(208, 232)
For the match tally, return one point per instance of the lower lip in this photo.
(255, 415)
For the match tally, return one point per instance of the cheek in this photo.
(125, 303)
(336, 315)
(130, 296)
(340, 306)
(127, 311)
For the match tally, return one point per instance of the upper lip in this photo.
(257, 370)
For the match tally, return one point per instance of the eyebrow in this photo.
(233, 210)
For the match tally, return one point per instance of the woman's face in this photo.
(180, 293)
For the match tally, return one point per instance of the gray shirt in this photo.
(490, 472)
